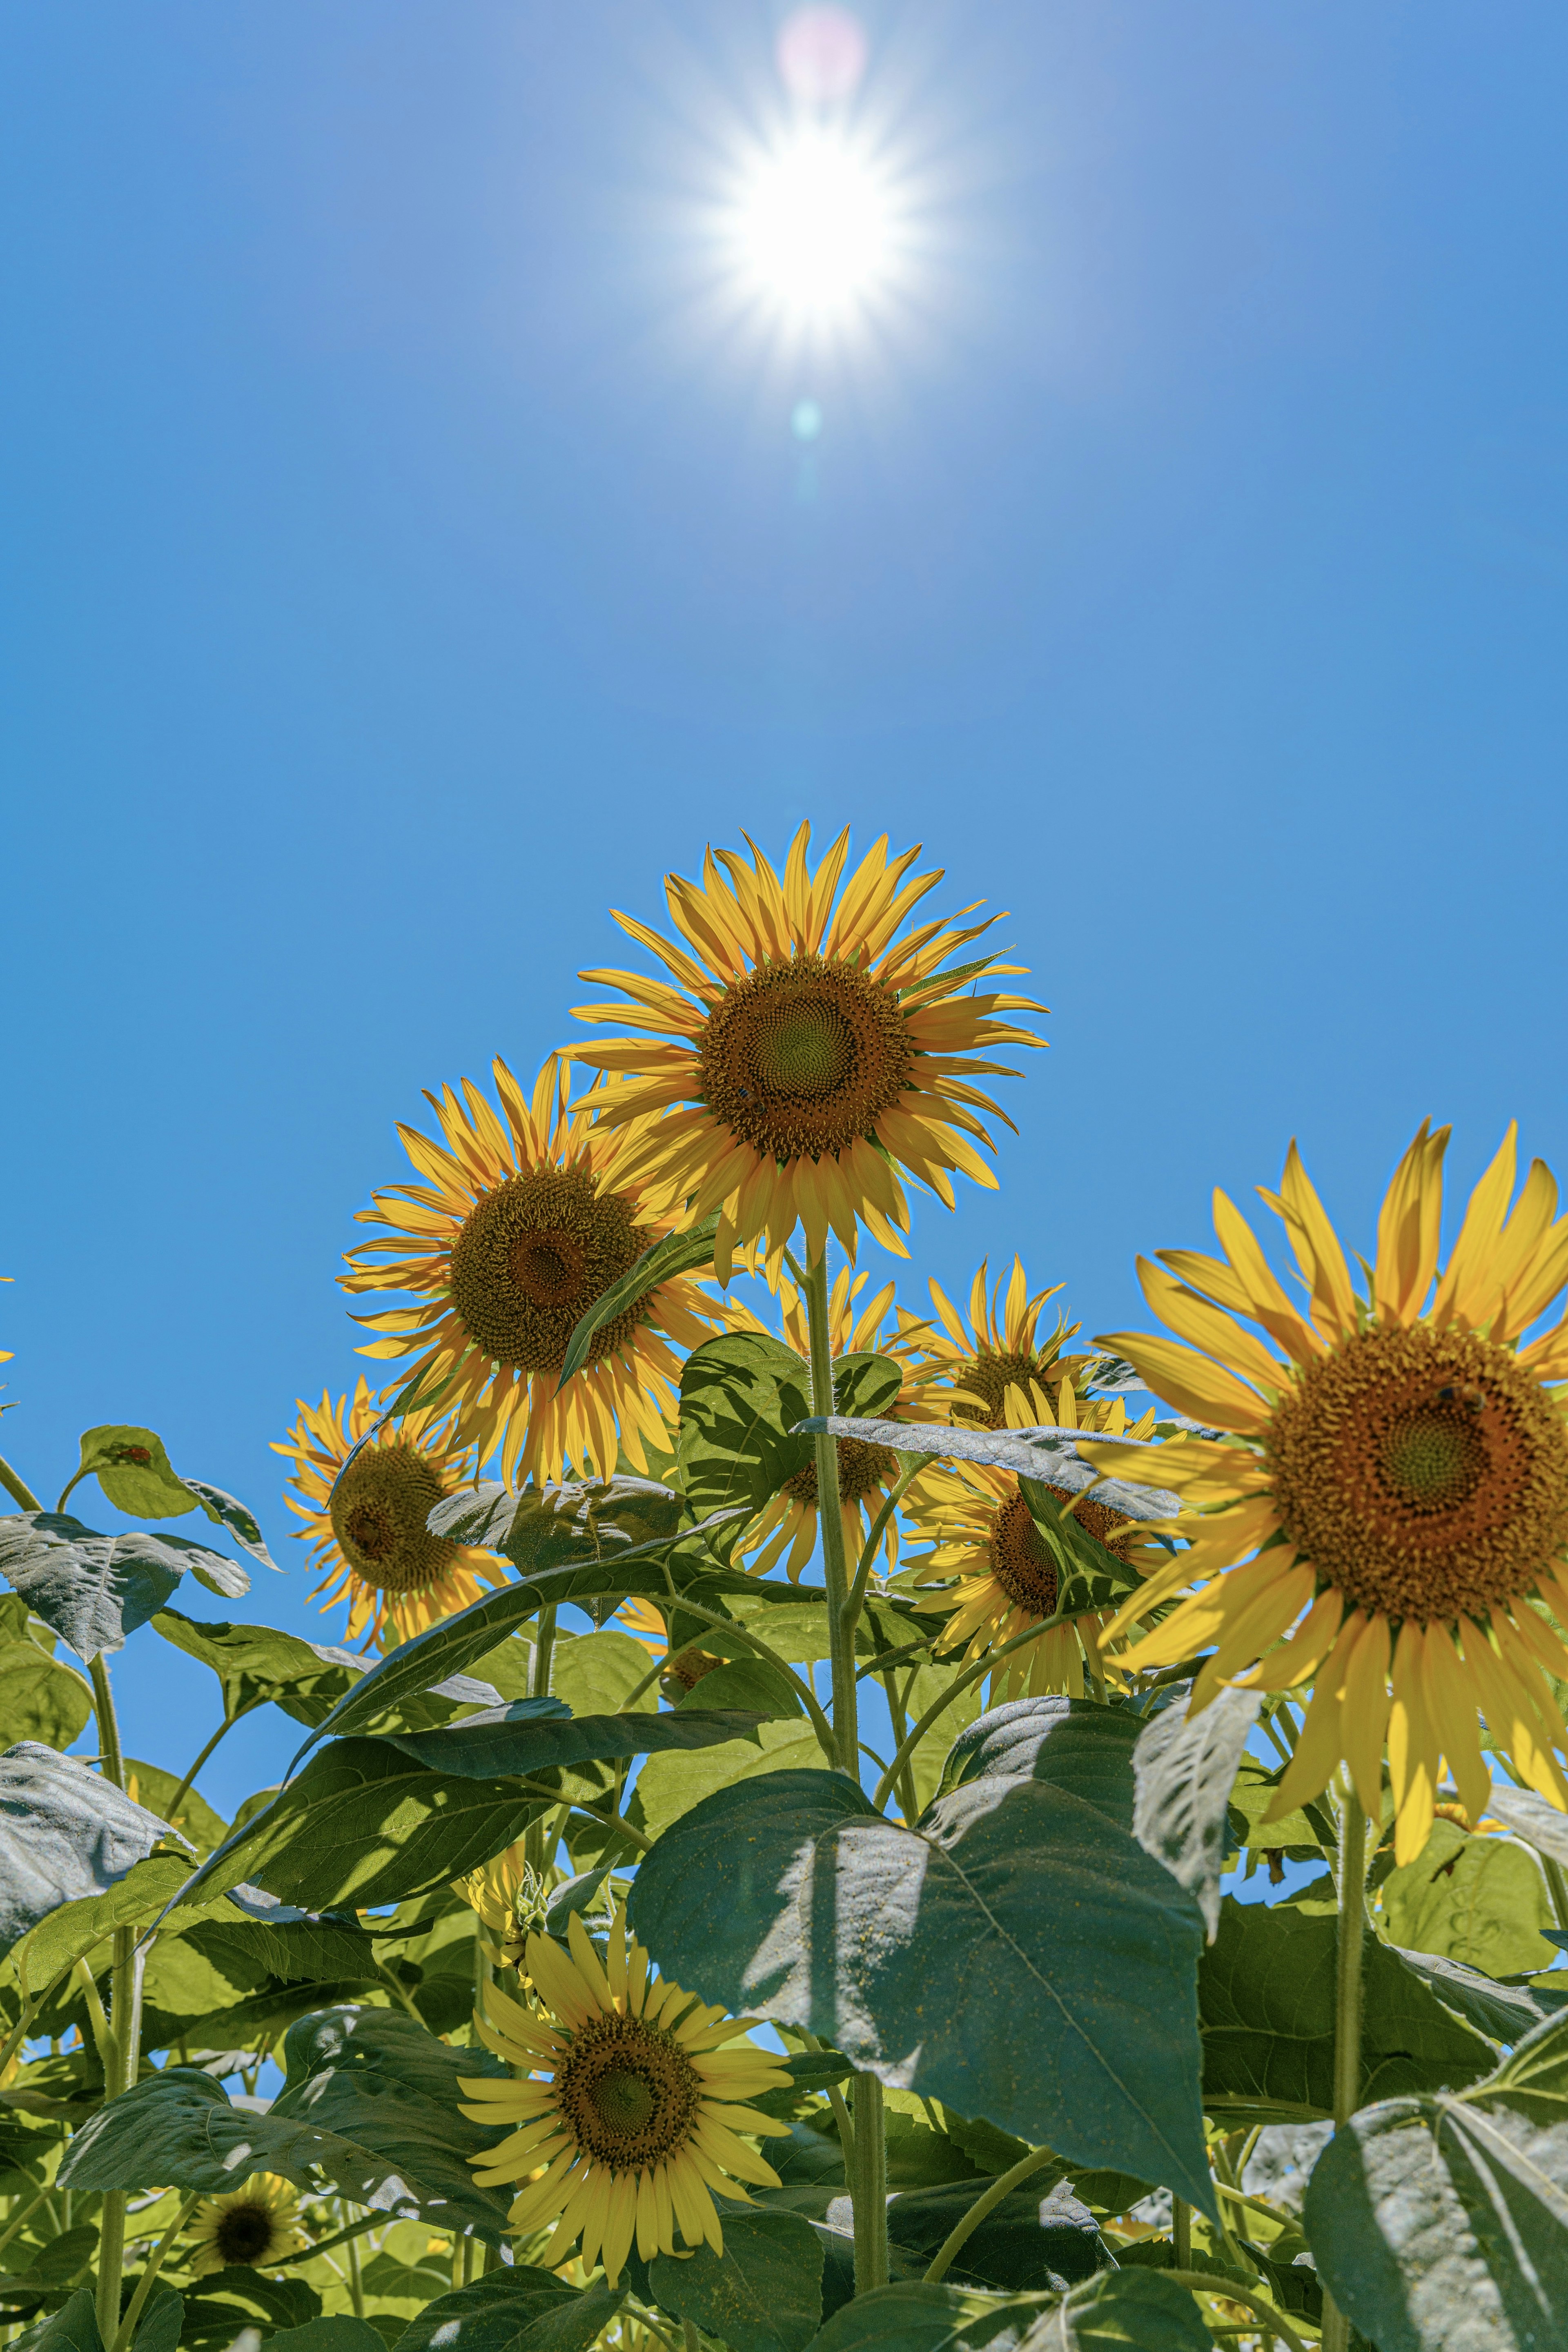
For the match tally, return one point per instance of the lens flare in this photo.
(815, 226)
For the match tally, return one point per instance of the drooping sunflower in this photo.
(630, 2111)
(1397, 1481)
(515, 1234)
(255, 2225)
(365, 1524)
(1000, 1347)
(984, 1536)
(805, 1053)
(867, 1472)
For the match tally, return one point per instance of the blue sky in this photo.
(408, 559)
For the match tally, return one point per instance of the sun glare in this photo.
(815, 226)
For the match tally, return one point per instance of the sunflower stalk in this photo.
(225, 1728)
(836, 1574)
(155, 2261)
(538, 1687)
(869, 2184)
(1350, 1891)
(21, 1494)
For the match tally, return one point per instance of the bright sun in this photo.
(815, 226)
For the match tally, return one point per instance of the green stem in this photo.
(1181, 2231)
(1207, 2282)
(350, 2239)
(986, 2203)
(71, 1485)
(353, 2230)
(399, 1994)
(899, 1717)
(108, 1729)
(125, 2035)
(959, 1683)
(154, 2265)
(868, 2185)
(538, 1687)
(21, 1494)
(830, 1519)
(1556, 1886)
(225, 1728)
(1351, 1890)
(913, 1465)
(898, 1657)
(688, 2336)
(18, 2219)
(594, 1812)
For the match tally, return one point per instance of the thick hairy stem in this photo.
(830, 1519)
(121, 2055)
(534, 1851)
(21, 1494)
(986, 2203)
(1351, 1890)
(108, 1725)
(868, 2185)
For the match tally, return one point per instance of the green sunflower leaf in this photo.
(547, 1528)
(222, 2302)
(225, 1510)
(255, 1664)
(753, 1684)
(685, 1252)
(669, 1786)
(910, 2317)
(1088, 1575)
(91, 1589)
(1122, 2311)
(134, 1471)
(1049, 1455)
(515, 2310)
(1441, 2224)
(72, 2328)
(1018, 1954)
(1531, 1818)
(536, 1735)
(39, 1698)
(337, 2331)
(1265, 1994)
(596, 1674)
(65, 1835)
(1184, 1770)
(1074, 1743)
(762, 2294)
(195, 1821)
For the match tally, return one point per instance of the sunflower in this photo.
(983, 1534)
(644, 1622)
(1397, 1481)
(366, 1523)
(257, 2225)
(627, 2117)
(999, 1348)
(512, 1237)
(501, 1893)
(867, 1472)
(806, 1052)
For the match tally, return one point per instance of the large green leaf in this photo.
(255, 1664)
(299, 1950)
(523, 1739)
(1441, 2224)
(76, 1928)
(930, 1679)
(1503, 2012)
(1531, 1818)
(228, 1511)
(1017, 1956)
(682, 1252)
(1481, 1900)
(1073, 1743)
(911, 2316)
(65, 1834)
(1121, 2310)
(1049, 1456)
(364, 1824)
(92, 1590)
(762, 2294)
(669, 1786)
(515, 2310)
(194, 1820)
(39, 1698)
(1035, 2238)
(333, 2332)
(1184, 1767)
(1266, 1992)
(546, 1528)
(740, 1396)
(369, 2103)
(72, 2328)
(749, 1686)
(222, 2302)
(596, 1673)
(134, 1471)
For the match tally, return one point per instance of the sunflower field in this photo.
(870, 1822)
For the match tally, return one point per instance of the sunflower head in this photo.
(809, 1047)
(365, 1514)
(998, 1347)
(1395, 1477)
(509, 1898)
(255, 2226)
(629, 2107)
(516, 1232)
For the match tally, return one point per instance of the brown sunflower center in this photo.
(629, 2093)
(800, 1058)
(686, 1669)
(532, 1256)
(245, 2234)
(378, 1512)
(863, 1470)
(1423, 1473)
(1019, 1561)
(988, 1376)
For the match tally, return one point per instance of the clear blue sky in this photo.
(407, 560)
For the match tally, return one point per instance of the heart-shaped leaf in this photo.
(39, 1698)
(515, 2310)
(134, 1471)
(1073, 1743)
(91, 1589)
(1016, 1955)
